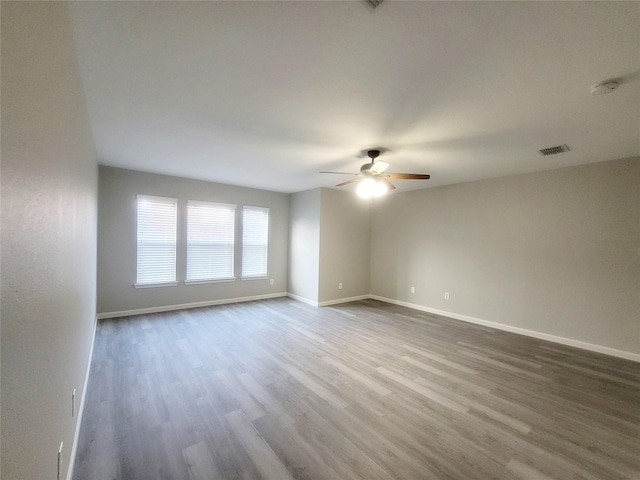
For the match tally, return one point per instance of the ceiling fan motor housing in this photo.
(372, 154)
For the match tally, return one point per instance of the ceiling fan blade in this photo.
(390, 186)
(355, 180)
(378, 167)
(408, 176)
(340, 173)
(348, 182)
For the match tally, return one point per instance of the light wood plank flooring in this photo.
(278, 389)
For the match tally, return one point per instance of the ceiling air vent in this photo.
(373, 3)
(554, 150)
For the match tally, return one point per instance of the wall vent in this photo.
(373, 3)
(554, 150)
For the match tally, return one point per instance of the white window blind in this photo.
(255, 241)
(210, 241)
(156, 238)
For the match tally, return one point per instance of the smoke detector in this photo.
(604, 87)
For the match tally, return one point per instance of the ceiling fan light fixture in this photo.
(372, 181)
(371, 188)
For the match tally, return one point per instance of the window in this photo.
(210, 241)
(255, 241)
(156, 238)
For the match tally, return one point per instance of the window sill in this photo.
(264, 277)
(217, 280)
(154, 285)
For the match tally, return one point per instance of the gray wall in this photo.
(304, 244)
(49, 210)
(329, 238)
(117, 240)
(554, 252)
(345, 235)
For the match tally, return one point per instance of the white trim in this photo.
(79, 413)
(328, 302)
(183, 306)
(343, 300)
(465, 318)
(154, 285)
(202, 282)
(302, 299)
(260, 277)
(522, 331)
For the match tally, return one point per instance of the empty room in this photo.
(368, 239)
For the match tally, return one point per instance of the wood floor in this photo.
(278, 389)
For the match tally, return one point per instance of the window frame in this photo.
(196, 281)
(139, 241)
(261, 276)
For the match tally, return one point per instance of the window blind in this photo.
(255, 241)
(156, 240)
(210, 241)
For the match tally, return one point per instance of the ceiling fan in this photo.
(372, 180)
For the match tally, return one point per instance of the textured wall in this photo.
(49, 211)
(117, 240)
(555, 252)
(304, 244)
(344, 245)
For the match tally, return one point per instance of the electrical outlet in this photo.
(340, 286)
(271, 281)
(60, 461)
(413, 289)
(73, 403)
(446, 295)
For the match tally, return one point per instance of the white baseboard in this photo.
(522, 331)
(303, 299)
(328, 302)
(182, 306)
(465, 318)
(343, 300)
(80, 411)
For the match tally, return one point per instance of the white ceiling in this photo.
(265, 94)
